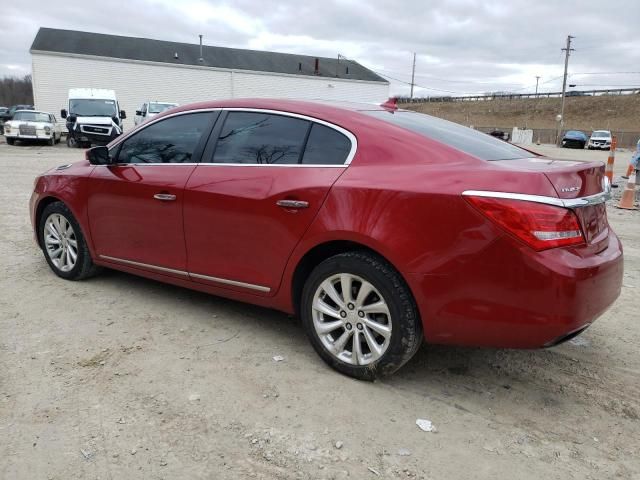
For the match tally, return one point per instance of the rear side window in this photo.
(326, 146)
(260, 138)
(173, 140)
(465, 139)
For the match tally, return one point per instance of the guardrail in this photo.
(513, 96)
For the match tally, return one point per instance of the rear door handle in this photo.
(292, 203)
(165, 197)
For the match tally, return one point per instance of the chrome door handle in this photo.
(165, 197)
(292, 203)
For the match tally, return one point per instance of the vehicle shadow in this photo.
(562, 378)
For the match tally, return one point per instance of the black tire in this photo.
(11, 141)
(406, 332)
(52, 140)
(72, 142)
(84, 266)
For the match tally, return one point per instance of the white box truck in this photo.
(93, 117)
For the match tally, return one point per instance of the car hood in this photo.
(95, 120)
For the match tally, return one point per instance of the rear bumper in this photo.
(512, 297)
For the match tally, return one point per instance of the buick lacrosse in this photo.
(379, 228)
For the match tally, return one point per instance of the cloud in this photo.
(462, 46)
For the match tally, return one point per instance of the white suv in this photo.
(600, 139)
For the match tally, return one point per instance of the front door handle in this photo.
(292, 203)
(165, 197)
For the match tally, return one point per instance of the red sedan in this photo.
(378, 227)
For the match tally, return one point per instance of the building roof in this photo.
(52, 40)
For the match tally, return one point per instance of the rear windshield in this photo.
(468, 140)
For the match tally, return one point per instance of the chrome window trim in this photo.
(595, 199)
(182, 273)
(352, 138)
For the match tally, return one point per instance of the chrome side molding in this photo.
(182, 273)
(555, 201)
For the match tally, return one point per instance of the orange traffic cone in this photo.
(629, 195)
(608, 171)
(630, 169)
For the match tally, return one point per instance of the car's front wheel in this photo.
(11, 141)
(63, 243)
(360, 315)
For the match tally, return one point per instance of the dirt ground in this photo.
(120, 377)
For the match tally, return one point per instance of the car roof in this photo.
(32, 111)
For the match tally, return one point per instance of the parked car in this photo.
(8, 114)
(574, 139)
(378, 227)
(32, 125)
(149, 110)
(94, 117)
(600, 139)
(502, 135)
(3, 112)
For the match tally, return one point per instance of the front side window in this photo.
(160, 107)
(260, 138)
(173, 140)
(326, 146)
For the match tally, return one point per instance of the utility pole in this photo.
(567, 51)
(413, 74)
(537, 80)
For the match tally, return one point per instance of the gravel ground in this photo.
(120, 377)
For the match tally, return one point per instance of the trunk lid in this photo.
(572, 179)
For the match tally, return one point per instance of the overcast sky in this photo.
(462, 46)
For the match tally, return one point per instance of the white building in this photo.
(141, 69)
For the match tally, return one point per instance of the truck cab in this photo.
(93, 117)
(151, 109)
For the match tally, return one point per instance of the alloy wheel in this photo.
(351, 319)
(61, 243)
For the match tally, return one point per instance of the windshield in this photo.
(32, 117)
(465, 139)
(601, 134)
(160, 107)
(92, 107)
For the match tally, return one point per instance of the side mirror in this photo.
(99, 156)
(123, 114)
(139, 113)
(63, 113)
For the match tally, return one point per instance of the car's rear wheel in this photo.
(360, 315)
(63, 243)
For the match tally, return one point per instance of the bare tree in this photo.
(15, 90)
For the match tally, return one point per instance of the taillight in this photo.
(538, 225)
